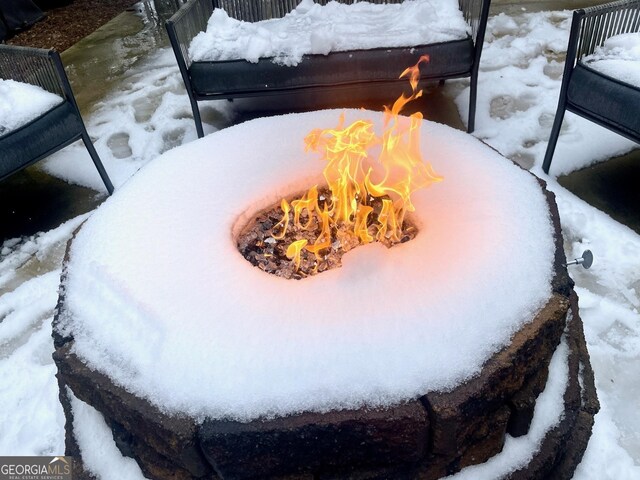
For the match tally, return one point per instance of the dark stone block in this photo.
(561, 283)
(590, 401)
(313, 442)
(523, 403)
(563, 446)
(575, 447)
(72, 448)
(124, 440)
(456, 415)
(488, 439)
(152, 432)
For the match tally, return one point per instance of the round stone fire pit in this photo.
(410, 362)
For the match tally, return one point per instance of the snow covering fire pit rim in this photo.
(447, 136)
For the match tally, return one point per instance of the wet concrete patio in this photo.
(33, 201)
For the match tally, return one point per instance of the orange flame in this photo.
(350, 174)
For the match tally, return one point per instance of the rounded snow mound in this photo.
(160, 299)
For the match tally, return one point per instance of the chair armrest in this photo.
(595, 24)
(185, 24)
(36, 66)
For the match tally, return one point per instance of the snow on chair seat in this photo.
(54, 126)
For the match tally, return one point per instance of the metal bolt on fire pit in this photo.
(586, 260)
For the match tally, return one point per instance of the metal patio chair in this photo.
(53, 129)
(595, 96)
(351, 71)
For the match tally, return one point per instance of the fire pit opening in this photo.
(272, 252)
(369, 178)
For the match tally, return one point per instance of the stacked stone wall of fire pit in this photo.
(428, 438)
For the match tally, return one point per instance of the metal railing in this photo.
(187, 22)
(598, 23)
(257, 10)
(31, 65)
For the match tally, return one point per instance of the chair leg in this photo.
(553, 139)
(472, 102)
(97, 162)
(196, 116)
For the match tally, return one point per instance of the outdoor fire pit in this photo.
(413, 361)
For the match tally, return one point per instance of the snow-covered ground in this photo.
(518, 88)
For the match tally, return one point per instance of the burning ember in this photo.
(366, 199)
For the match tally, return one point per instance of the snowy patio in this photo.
(143, 112)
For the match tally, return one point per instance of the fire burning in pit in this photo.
(366, 199)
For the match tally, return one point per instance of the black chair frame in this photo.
(590, 28)
(53, 129)
(192, 18)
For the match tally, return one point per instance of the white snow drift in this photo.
(316, 29)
